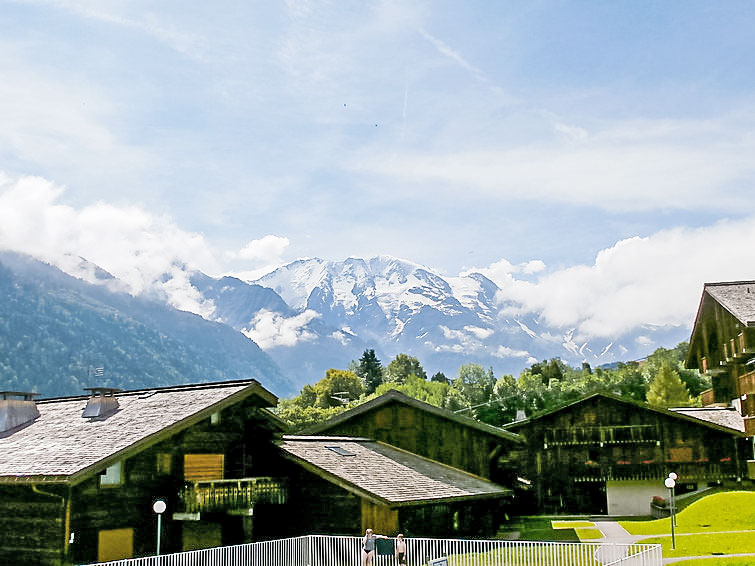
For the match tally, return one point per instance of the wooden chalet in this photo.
(432, 432)
(79, 475)
(344, 485)
(722, 346)
(606, 454)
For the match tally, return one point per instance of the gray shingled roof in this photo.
(61, 445)
(678, 413)
(723, 416)
(737, 297)
(381, 472)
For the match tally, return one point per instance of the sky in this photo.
(596, 159)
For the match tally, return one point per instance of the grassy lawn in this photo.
(718, 560)
(728, 511)
(541, 529)
(706, 544)
(571, 524)
(589, 533)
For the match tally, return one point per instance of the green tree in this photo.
(440, 377)
(298, 416)
(370, 371)
(432, 392)
(667, 389)
(472, 388)
(336, 385)
(402, 367)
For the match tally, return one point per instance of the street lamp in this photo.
(159, 507)
(674, 477)
(670, 483)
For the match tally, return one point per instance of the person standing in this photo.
(368, 546)
(400, 550)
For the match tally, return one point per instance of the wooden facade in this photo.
(429, 431)
(105, 512)
(576, 452)
(723, 346)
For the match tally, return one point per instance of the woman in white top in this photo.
(368, 546)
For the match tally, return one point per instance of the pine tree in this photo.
(667, 389)
(370, 371)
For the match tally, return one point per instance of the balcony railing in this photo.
(747, 383)
(707, 397)
(749, 426)
(623, 434)
(687, 471)
(232, 494)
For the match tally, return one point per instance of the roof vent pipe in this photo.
(16, 412)
(102, 402)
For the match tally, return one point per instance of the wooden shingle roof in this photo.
(395, 396)
(385, 474)
(62, 446)
(727, 417)
(737, 297)
(680, 413)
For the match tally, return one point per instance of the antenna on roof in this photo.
(341, 396)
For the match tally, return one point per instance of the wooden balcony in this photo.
(602, 435)
(749, 426)
(747, 383)
(687, 471)
(707, 397)
(232, 494)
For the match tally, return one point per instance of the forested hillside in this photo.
(55, 329)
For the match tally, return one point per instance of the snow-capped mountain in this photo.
(312, 315)
(339, 308)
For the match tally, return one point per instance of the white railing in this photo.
(321, 550)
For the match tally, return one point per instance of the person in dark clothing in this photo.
(368, 546)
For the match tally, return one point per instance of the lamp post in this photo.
(670, 483)
(674, 477)
(159, 507)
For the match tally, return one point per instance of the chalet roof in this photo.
(680, 413)
(727, 417)
(62, 446)
(737, 297)
(394, 396)
(385, 474)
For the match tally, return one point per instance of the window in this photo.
(112, 475)
(215, 418)
(199, 467)
(164, 463)
(340, 451)
(115, 544)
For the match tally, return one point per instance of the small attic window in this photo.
(340, 451)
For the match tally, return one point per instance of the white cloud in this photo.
(623, 166)
(506, 352)
(654, 280)
(478, 332)
(270, 329)
(452, 54)
(264, 255)
(147, 253)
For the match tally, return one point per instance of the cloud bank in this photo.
(654, 280)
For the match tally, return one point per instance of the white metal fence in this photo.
(320, 550)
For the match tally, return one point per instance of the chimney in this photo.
(16, 412)
(102, 402)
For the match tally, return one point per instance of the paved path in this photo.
(614, 532)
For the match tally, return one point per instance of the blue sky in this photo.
(235, 136)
